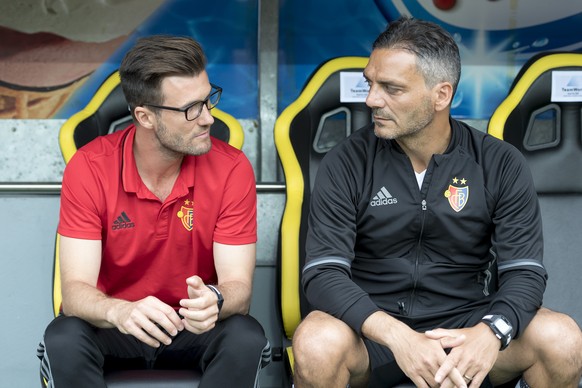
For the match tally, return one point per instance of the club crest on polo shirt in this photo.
(458, 194)
(186, 214)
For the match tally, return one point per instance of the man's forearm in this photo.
(237, 298)
(380, 327)
(519, 297)
(88, 303)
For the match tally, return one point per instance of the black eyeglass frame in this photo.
(216, 89)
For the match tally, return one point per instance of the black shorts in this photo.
(385, 372)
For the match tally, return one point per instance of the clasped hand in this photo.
(472, 353)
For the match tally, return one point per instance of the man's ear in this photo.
(444, 95)
(144, 117)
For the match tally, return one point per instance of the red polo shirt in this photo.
(150, 247)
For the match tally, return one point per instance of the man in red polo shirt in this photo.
(157, 236)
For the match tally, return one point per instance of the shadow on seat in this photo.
(542, 117)
(108, 112)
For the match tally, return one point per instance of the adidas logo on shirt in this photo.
(122, 222)
(383, 198)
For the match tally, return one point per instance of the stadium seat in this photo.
(542, 117)
(108, 112)
(548, 132)
(309, 127)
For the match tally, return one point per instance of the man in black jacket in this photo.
(424, 250)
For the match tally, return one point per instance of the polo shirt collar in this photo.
(132, 182)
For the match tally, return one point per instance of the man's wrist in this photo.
(384, 329)
(501, 327)
(220, 298)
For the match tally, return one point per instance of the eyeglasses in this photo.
(194, 110)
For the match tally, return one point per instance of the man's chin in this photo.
(386, 132)
(200, 149)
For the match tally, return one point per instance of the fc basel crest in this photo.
(186, 214)
(458, 195)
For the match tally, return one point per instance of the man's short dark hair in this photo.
(437, 53)
(154, 58)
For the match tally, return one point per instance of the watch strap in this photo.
(492, 321)
(220, 300)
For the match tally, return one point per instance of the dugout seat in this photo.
(105, 113)
(542, 117)
(325, 113)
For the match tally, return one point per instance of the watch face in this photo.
(503, 327)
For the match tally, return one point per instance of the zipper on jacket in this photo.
(418, 252)
(402, 308)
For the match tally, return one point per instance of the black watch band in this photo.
(218, 295)
(501, 327)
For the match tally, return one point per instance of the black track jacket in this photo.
(471, 237)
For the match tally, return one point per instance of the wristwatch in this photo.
(501, 327)
(218, 295)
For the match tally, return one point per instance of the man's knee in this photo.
(557, 340)
(243, 334)
(69, 346)
(67, 335)
(321, 337)
(556, 330)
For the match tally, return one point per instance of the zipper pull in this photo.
(402, 308)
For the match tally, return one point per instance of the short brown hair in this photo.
(154, 58)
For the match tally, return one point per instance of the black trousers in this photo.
(76, 353)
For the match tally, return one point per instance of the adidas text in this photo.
(383, 201)
(124, 225)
